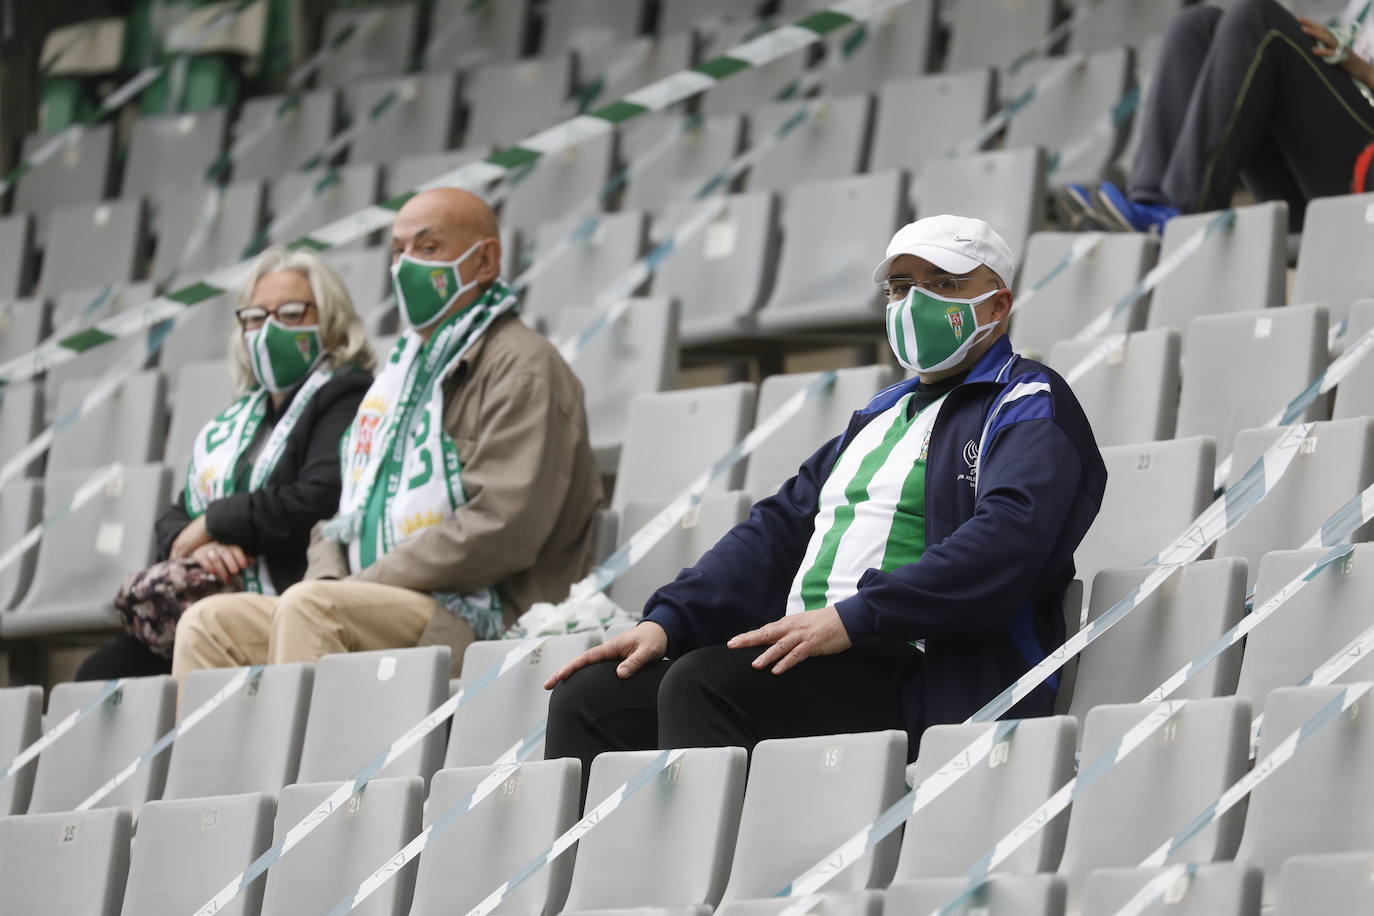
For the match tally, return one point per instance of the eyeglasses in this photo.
(900, 287)
(252, 317)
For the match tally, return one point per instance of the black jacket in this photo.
(274, 523)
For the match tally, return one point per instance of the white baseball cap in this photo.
(957, 244)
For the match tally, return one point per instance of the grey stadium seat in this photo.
(509, 101)
(20, 502)
(1241, 369)
(1355, 395)
(674, 174)
(952, 106)
(1006, 188)
(505, 712)
(130, 426)
(1067, 112)
(1066, 304)
(21, 709)
(1019, 23)
(637, 354)
(1001, 895)
(489, 31)
(1332, 466)
(847, 779)
(253, 743)
(1108, 25)
(78, 174)
(55, 864)
(1330, 269)
(419, 119)
(1326, 884)
(112, 237)
(21, 418)
(1219, 889)
(1313, 624)
(1153, 792)
(16, 256)
(747, 89)
(823, 418)
(721, 275)
(77, 309)
(355, 188)
(559, 185)
(407, 173)
(670, 844)
(833, 232)
(1154, 490)
(86, 555)
(612, 72)
(579, 25)
(237, 212)
(200, 334)
(1203, 600)
(382, 43)
(345, 849)
(963, 823)
(1320, 801)
(23, 323)
(831, 143)
(897, 46)
(366, 273)
(1132, 396)
(497, 838)
(362, 701)
(297, 134)
(100, 745)
(855, 903)
(169, 151)
(1236, 269)
(682, 546)
(672, 437)
(675, 15)
(200, 392)
(587, 267)
(186, 849)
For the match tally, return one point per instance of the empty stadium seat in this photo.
(86, 554)
(406, 173)
(420, 118)
(1326, 884)
(1355, 396)
(345, 849)
(699, 149)
(1237, 269)
(20, 502)
(680, 547)
(200, 334)
(952, 106)
(172, 151)
(1242, 369)
(1132, 395)
(56, 864)
(846, 780)
(1218, 889)
(487, 31)
(609, 73)
(506, 711)
(21, 709)
(301, 125)
(720, 275)
(1107, 25)
(366, 274)
(99, 745)
(200, 392)
(382, 42)
(189, 244)
(964, 822)
(1334, 464)
(672, 436)
(1154, 489)
(747, 89)
(185, 850)
(1006, 188)
(495, 840)
(1313, 624)
(1186, 614)
(1330, 268)
(1000, 895)
(824, 417)
(21, 417)
(895, 46)
(16, 256)
(509, 101)
(351, 188)
(575, 25)
(78, 174)
(1321, 800)
(833, 233)
(831, 143)
(110, 236)
(22, 325)
(78, 309)
(362, 701)
(559, 185)
(1065, 305)
(637, 354)
(585, 268)
(675, 15)
(1152, 793)
(973, 44)
(130, 426)
(670, 844)
(854, 903)
(252, 743)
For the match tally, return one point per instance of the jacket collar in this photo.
(993, 366)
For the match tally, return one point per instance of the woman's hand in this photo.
(190, 539)
(225, 561)
(1327, 44)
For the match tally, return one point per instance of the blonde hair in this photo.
(343, 339)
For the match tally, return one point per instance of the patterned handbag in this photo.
(151, 601)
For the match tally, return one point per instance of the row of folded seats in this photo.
(705, 831)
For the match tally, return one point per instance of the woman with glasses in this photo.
(264, 470)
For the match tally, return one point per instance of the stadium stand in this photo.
(811, 159)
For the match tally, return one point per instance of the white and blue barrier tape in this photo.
(52, 735)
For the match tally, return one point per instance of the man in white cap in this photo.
(911, 570)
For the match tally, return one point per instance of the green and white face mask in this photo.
(930, 333)
(282, 354)
(426, 289)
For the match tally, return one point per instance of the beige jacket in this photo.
(516, 412)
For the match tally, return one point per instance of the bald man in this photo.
(469, 484)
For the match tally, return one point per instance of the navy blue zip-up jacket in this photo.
(1014, 479)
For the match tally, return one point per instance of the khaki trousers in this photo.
(307, 621)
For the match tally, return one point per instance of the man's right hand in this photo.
(647, 642)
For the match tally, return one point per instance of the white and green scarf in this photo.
(401, 470)
(212, 473)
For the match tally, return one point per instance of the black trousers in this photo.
(712, 697)
(123, 656)
(1239, 95)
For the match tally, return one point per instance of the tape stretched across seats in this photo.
(748, 89)
(618, 69)
(1131, 396)
(291, 141)
(703, 149)
(65, 863)
(406, 172)
(181, 212)
(130, 427)
(582, 270)
(383, 42)
(558, 187)
(1023, 895)
(77, 308)
(854, 903)
(897, 46)
(420, 118)
(832, 144)
(21, 712)
(1355, 396)
(356, 187)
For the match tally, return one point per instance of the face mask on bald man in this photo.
(425, 290)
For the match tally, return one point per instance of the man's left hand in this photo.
(795, 638)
